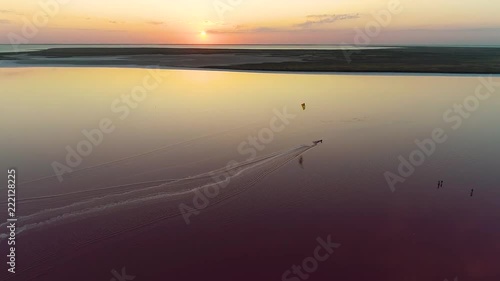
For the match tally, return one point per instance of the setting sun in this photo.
(250, 140)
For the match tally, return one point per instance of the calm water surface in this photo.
(195, 122)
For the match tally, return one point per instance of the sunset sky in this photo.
(469, 22)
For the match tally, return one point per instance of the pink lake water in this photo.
(119, 207)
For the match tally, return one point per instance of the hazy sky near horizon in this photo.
(469, 22)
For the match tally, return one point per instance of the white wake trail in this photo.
(179, 188)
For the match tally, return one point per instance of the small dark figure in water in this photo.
(301, 162)
(439, 184)
(303, 106)
(472, 192)
(318, 141)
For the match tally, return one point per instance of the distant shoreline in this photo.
(444, 60)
